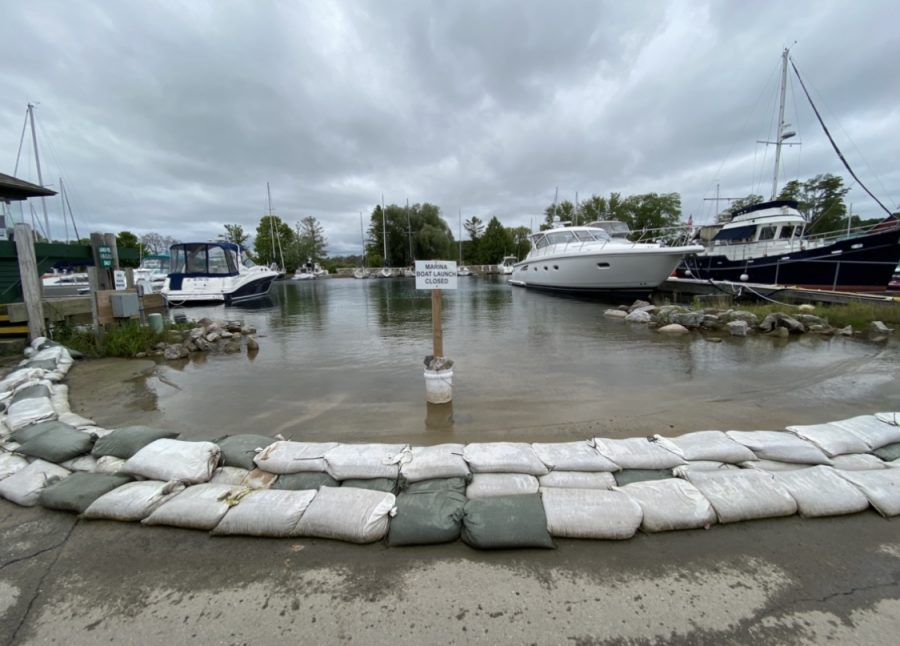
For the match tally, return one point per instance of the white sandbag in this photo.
(199, 507)
(578, 480)
(590, 513)
(861, 462)
(109, 464)
(85, 463)
(229, 475)
(745, 494)
(882, 488)
(774, 465)
(503, 457)
(701, 465)
(97, 431)
(641, 452)
(26, 412)
(10, 446)
(259, 479)
(820, 491)
(573, 456)
(53, 353)
(10, 463)
(266, 512)
(875, 430)
(364, 461)
(74, 419)
(294, 457)
(487, 485)
(18, 377)
(190, 462)
(889, 418)
(438, 461)
(780, 446)
(59, 398)
(831, 438)
(670, 504)
(712, 446)
(24, 486)
(134, 501)
(347, 514)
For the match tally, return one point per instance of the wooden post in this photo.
(94, 285)
(109, 239)
(104, 276)
(31, 281)
(437, 332)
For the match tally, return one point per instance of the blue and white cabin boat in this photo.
(214, 272)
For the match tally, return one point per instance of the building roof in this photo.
(13, 188)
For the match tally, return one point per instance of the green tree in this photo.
(311, 241)
(521, 244)
(419, 226)
(275, 238)
(495, 243)
(820, 200)
(156, 244)
(235, 233)
(650, 211)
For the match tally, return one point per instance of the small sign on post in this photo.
(120, 279)
(105, 253)
(437, 275)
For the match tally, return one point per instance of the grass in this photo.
(126, 340)
(859, 315)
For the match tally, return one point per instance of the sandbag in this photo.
(133, 501)
(386, 485)
(628, 476)
(239, 450)
(266, 512)
(590, 513)
(875, 430)
(882, 488)
(427, 518)
(286, 456)
(743, 495)
(713, 446)
(29, 411)
(83, 463)
(347, 514)
(304, 480)
(774, 465)
(861, 462)
(109, 464)
(18, 377)
(259, 479)
(820, 491)
(503, 457)
(578, 480)
(505, 522)
(34, 430)
(31, 391)
(780, 446)
(229, 475)
(888, 453)
(74, 419)
(125, 442)
(59, 399)
(438, 484)
(573, 456)
(190, 462)
(438, 461)
(701, 465)
(199, 507)
(887, 418)
(670, 504)
(24, 486)
(58, 445)
(831, 438)
(76, 492)
(10, 463)
(641, 452)
(484, 485)
(360, 461)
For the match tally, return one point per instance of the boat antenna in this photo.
(833, 144)
(37, 163)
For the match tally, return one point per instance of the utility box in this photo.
(124, 305)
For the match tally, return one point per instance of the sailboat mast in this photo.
(37, 162)
(62, 203)
(779, 135)
(409, 231)
(362, 240)
(384, 230)
(460, 236)
(271, 224)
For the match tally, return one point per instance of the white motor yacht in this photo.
(586, 259)
(507, 264)
(463, 271)
(204, 272)
(152, 273)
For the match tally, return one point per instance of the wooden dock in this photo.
(680, 289)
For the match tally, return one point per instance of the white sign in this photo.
(120, 280)
(435, 274)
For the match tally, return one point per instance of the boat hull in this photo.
(858, 264)
(228, 290)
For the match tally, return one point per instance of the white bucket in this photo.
(438, 386)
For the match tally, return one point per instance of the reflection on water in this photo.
(347, 354)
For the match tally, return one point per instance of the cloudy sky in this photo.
(172, 116)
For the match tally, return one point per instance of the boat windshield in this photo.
(203, 259)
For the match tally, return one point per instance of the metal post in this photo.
(31, 281)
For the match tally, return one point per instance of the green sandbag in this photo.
(30, 432)
(888, 453)
(37, 390)
(436, 485)
(125, 442)
(41, 364)
(76, 492)
(387, 485)
(628, 476)
(503, 522)
(306, 480)
(239, 450)
(426, 518)
(58, 444)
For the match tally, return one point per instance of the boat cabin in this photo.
(775, 222)
(614, 228)
(205, 259)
